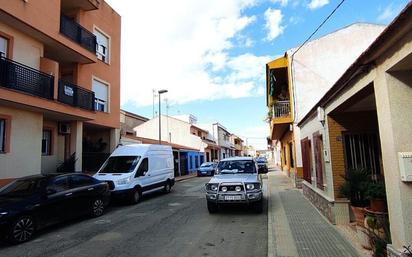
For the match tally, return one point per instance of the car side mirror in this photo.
(50, 191)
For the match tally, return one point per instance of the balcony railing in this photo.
(17, 76)
(281, 109)
(77, 33)
(75, 96)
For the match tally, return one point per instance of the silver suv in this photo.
(236, 181)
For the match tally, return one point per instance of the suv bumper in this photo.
(245, 198)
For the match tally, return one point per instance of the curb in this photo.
(186, 177)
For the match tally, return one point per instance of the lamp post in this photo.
(160, 116)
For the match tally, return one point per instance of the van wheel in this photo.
(135, 196)
(167, 187)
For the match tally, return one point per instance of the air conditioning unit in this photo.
(64, 128)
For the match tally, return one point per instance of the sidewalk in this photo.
(180, 178)
(295, 227)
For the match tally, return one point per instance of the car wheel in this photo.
(22, 230)
(167, 187)
(258, 206)
(212, 207)
(97, 207)
(135, 196)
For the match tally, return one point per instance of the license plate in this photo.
(233, 197)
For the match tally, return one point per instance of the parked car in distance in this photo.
(31, 203)
(207, 168)
(262, 165)
(132, 170)
(236, 181)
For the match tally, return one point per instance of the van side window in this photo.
(143, 168)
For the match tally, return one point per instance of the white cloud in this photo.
(296, 20)
(281, 2)
(273, 18)
(388, 14)
(181, 46)
(315, 4)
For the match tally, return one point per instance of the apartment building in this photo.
(222, 137)
(59, 84)
(298, 79)
(238, 145)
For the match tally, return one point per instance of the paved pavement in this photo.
(176, 224)
(296, 228)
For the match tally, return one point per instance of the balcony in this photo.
(17, 76)
(86, 5)
(75, 96)
(281, 109)
(77, 33)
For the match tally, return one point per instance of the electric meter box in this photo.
(405, 166)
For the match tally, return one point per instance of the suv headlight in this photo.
(124, 181)
(211, 187)
(253, 186)
(3, 213)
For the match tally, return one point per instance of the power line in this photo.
(327, 18)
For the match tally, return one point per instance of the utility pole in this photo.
(160, 116)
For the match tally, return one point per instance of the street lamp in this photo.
(160, 116)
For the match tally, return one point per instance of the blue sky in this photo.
(210, 54)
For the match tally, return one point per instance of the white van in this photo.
(132, 170)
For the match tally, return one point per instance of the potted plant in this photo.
(377, 196)
(354, 188)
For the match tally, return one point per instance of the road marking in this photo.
(175, 204)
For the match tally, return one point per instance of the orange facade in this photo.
(59, 85)
(40, 20)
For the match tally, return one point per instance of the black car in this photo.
(31, 203)
(262, 165)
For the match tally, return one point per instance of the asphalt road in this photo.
(176, 224)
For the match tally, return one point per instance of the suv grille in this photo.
(231, 187)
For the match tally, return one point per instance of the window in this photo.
(59, 184)
(102, 47)
(143, 168)
(120, 164)
(2, 135)
(3, 46)
(46, 142)
(81, 181)
(100, 90)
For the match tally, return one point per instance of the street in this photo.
(177, 224)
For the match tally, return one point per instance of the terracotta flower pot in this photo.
(378, 205)
(359, 213)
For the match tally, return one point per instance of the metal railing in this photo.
(281, 109)
(77, 33)
(75, 96)
(17, 76)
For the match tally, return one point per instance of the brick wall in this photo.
(336, 154)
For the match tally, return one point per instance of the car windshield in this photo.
(21, 188)
(230, 167)
(206, 165)
(120, 164)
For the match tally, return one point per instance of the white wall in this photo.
(179, 132)
(309, 128)
(25, 144)
(320, 63)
